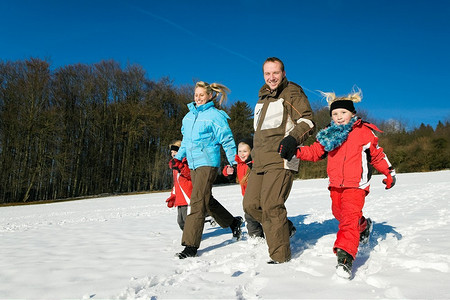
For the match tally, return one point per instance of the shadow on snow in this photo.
(307, 236)
(379, 233)
(216, 231)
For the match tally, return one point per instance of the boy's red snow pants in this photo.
(347, 204)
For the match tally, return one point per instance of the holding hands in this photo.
(287, 147)
(175, 164)
(229, 172)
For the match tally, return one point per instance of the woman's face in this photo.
(201, 96)
(243, 151)
(173, 153)
(341, 116)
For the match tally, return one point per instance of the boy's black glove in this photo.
(287, 147)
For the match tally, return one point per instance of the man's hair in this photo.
(274, 59)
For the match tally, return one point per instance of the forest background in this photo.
(87, 130)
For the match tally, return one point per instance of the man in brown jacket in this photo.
(282, 121)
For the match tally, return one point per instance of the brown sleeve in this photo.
(301, 113)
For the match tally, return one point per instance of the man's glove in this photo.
(170, 202)
(175, 164)
(287, 147)
(389, 181)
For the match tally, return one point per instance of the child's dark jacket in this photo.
(348, 165)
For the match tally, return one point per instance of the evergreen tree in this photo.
(241, 120)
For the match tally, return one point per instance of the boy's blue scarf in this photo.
(335, 135)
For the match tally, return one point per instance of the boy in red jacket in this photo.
(243, 167)
(352, 148)
(182, 186)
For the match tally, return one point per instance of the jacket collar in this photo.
(265, 90)
(195, 109)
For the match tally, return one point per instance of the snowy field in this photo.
(123, 247)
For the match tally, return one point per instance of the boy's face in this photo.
(341, 116)
(243, 151)
(173, 153)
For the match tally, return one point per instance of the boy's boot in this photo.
(364, 235)
(344, 265)
(188, 251)
(254, 228)
(274, 262)
(236, 227)
(292, 229)
(211, 221)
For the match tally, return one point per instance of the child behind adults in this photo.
(180, 196)
(182, 186)
(243, 167)
(352, 148)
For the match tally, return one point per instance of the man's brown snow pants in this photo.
(264, 200)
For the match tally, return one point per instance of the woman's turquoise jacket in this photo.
(205, 128)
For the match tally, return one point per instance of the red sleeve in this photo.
(315, 152)
(224, 171)
(379, 158)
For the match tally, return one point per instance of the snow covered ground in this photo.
(123, 247)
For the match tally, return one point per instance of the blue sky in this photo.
(397, 52)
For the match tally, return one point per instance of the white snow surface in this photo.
(123, 247)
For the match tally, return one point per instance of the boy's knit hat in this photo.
(175, 146)
(343, 103)
(248, 141)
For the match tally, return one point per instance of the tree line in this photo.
(91, 129)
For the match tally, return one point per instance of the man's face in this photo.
(273, 74)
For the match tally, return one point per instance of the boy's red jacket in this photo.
(182, 185)
(348, 165)
(241, 170)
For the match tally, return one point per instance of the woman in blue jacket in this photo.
(205, 129)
